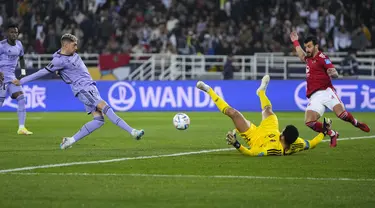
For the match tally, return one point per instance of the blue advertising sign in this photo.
(285, 95)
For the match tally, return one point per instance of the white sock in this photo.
(206, 87)
(21, 127)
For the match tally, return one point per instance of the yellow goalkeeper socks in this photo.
(264, 101)
(220, 103)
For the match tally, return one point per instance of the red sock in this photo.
(331, 133)
(348, 117)
(315, 125)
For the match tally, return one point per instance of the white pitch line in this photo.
(353, 138)
(112, 160)
(199, 176)
(141, 157)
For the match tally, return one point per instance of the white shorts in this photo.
(322, 99)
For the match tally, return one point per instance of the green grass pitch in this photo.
(154, 172)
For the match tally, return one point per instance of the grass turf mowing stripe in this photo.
(141, 157)
(199, 176)
(16, 118)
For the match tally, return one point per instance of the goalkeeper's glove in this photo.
(327, 125)
(23, 73)
(231, 139)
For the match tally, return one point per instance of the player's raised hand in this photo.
(16, 82)
(293, 36)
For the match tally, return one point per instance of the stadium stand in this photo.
(194, 27)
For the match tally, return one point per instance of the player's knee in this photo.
(267, 110)
(105, 109)
(311, 124)
(231, 112)
(16, 95)
(311, 116)
(20, 97)
(99, 120)
(340, 113)
(101, 105)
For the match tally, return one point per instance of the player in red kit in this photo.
(320, 91)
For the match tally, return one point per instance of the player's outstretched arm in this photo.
(311, 144)
(302, 144)
(332, 72)
(231, 140)
(31, 77)
(55, 65)
(300, 52)
(315, 141)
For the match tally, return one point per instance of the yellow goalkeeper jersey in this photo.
(270, 145)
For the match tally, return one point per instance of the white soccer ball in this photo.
(181, 121)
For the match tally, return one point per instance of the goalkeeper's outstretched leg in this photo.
(240, 122)
(264, 101)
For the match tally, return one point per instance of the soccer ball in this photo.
(181, 121)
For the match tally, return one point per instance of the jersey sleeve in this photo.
(314, 142)
(299, 145)
(22, 52)
(254, 151)
(55, 65)
(326, 62)
(302, 144)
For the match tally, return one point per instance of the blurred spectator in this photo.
(38, 28)
(330, 47)
(172, 22)
(191, 26)
(39, 43)
(329, 21)
(359, 40)
(1, 18)
(342, 39)
(228, 72)
(349, 65)
(52, 42)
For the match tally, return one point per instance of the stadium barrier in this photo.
(289, 95)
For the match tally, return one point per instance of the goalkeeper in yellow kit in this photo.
(266, 138)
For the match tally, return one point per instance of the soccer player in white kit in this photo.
(11, 50)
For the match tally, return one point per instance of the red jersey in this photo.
(317, 77)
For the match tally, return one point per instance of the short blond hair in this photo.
(69, 37)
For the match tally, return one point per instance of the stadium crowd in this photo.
(215, 27)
